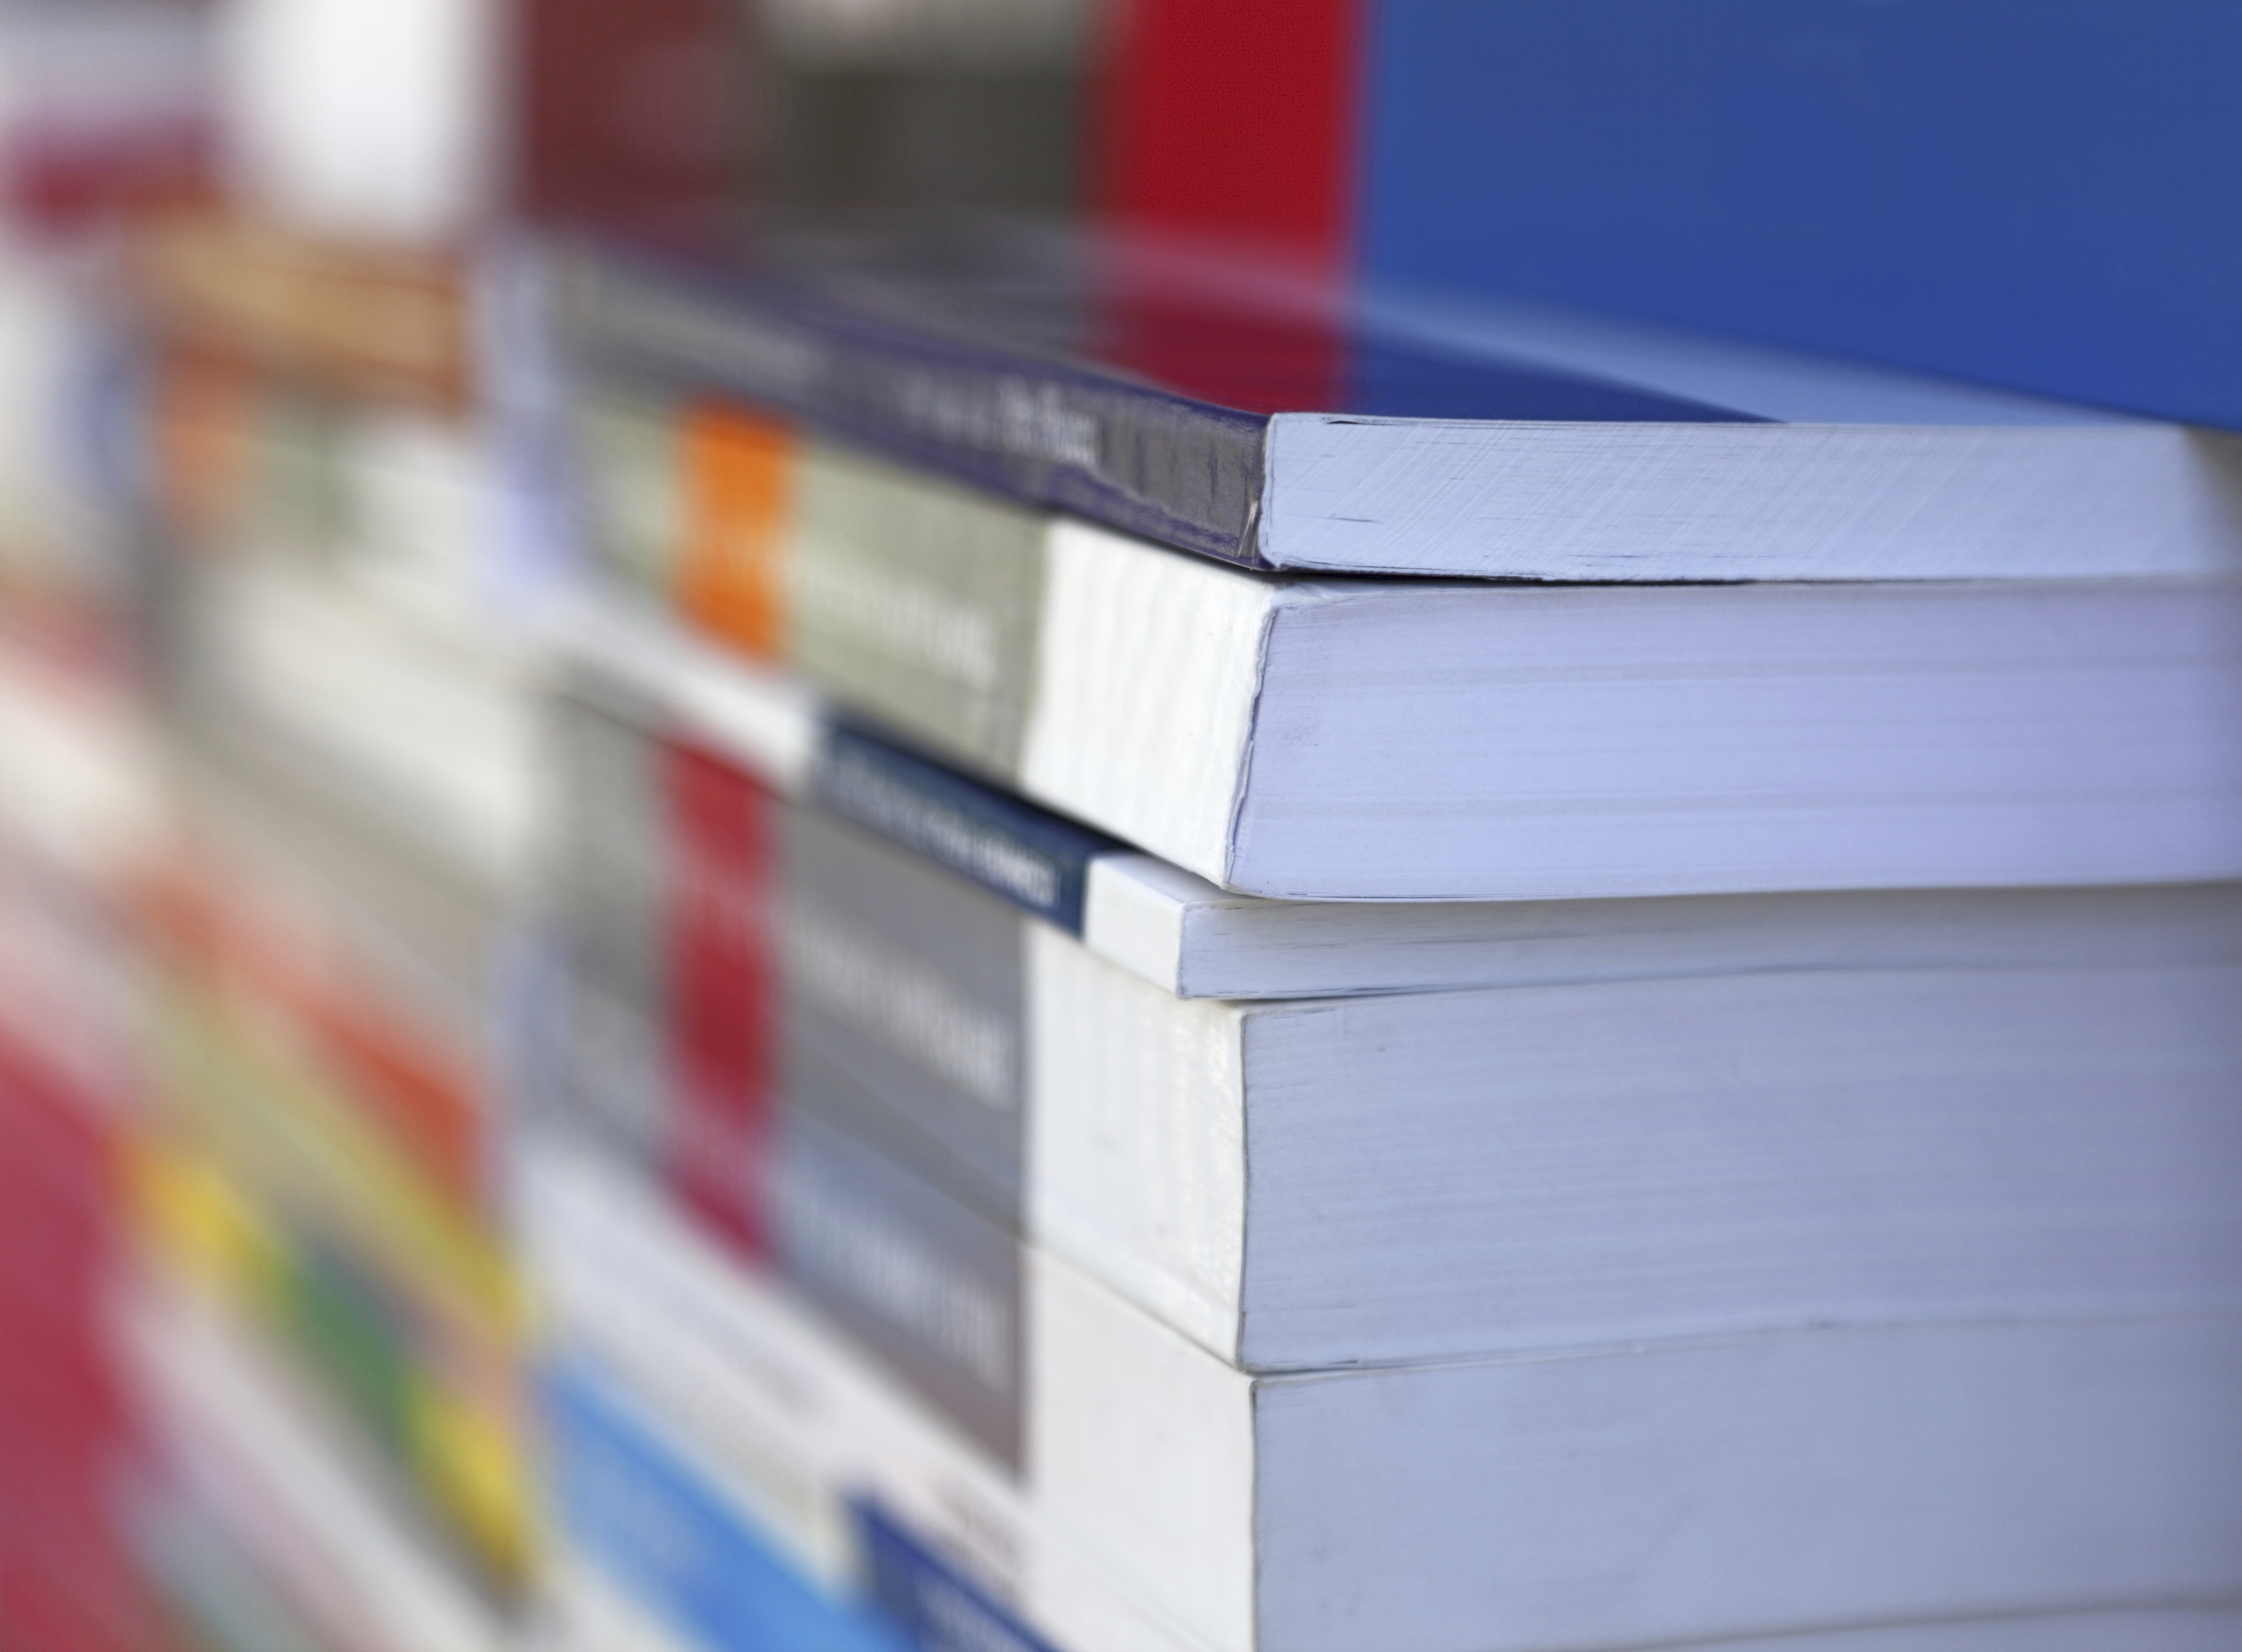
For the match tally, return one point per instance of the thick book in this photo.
(1409, 743)
(760, 992)
(1225, 413)
(695, 1515)
(1579, 1499)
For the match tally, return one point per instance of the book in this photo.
(1759, 171)
(770, 1496)
(921, 109)
(1313, 740)
(758, 991)
(1760, 168)
(1589, 1498)
(1160, 396)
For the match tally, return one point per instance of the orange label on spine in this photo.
(204, 441)
(739, 503)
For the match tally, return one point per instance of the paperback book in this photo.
(1448, 1506)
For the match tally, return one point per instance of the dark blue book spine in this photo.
(1097, 444)
(1036, 859)
(939, 1607)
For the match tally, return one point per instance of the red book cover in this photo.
(723, 981)
(1234, 125)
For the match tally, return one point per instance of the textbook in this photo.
(1580, 1498)
(1225, 413)
(758, 1521)
(1401, 740)
(757, 991)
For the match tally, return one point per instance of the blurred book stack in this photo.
(326, 1341)
(334, 420)
(350, 766)
(885, 826)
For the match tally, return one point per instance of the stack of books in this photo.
(1231, 981)
(1052, 940)
(325, 1339)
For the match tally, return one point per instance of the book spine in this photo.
(639, 1510)
(714, 1572)
(1110, 681)
(940, 1607)
(606, 856)
(1035, 859)
(262, 1459)
(915, 601)
(391, 325)
(717, 854)
(1045, 434)
(930, 1285)
(814, 987)
(603, 878)
(905, 1007)
(438, 1405)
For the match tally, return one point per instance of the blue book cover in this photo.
(664, 1533)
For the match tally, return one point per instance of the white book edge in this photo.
(1481, 499)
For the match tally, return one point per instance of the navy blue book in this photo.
(1222, 411)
